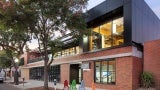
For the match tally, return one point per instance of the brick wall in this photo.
(88, 75)
(152, 59)
(25, 58)
(124, 73)
(64, 71)
(128, 71)
(137, 70)
(25, 73)
(33, 55)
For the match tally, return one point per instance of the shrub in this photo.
(147, 79)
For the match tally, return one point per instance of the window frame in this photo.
(112, 46)
(101, 60)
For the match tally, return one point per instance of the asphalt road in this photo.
(4, 86)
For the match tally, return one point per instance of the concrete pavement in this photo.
(4, 86)
(35, 83)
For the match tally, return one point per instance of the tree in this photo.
(15, 26)
(5, 61)
(49, 17)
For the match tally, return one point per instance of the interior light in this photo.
(114, 28)
(85, 39)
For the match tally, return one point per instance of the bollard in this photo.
(66, 87)
(93, 86)
(82, 86)
(23, 81)
(73, 85)
(55, 82)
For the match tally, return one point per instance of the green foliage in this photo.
(55, 46)
(42, 19)
(15, 26)
(5, 61)
(147, 79)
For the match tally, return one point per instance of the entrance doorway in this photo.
(75, 73)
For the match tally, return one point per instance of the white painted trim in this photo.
(136, 52)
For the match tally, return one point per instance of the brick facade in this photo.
(137, 70)
(64, 71)
(152, 59)
(25, 73)
(128, 71)
(128, 68)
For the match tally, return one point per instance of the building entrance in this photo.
(75, 73)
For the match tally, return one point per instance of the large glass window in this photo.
(105, 71)
(118, 28)
(98, 77)
(95, 39)
(67, 52)
(37, 73)
(108, 34)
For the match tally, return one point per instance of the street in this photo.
(4, 86)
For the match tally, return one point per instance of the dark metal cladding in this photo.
(145, 24)
(103, 8)
(140, 22)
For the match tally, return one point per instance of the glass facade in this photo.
(54, 73)
(107, 35)
(105, 71)
(68, 52)
(37, 73)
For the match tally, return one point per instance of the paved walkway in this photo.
(35, 83)
(4, 86)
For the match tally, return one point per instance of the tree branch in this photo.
(3, 45)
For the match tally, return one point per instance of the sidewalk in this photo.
(35, 83)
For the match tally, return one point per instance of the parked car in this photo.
(1, 78)
(2, 75)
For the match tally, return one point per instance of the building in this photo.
(124, 42)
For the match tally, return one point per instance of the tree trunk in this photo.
(45, 76)
(16, 79)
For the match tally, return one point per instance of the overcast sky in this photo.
(154, 4)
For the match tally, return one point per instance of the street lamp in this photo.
(16, 60)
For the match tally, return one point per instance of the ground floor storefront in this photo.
(117, 69)
(113, 74)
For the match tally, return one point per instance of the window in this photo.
(67, 52)
(95, 39)
(105, 71)
(117, 27)
(37, 73)
(108, 34)
(54, 73)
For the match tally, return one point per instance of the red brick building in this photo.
(124, 43)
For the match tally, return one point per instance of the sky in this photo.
(154, 5)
